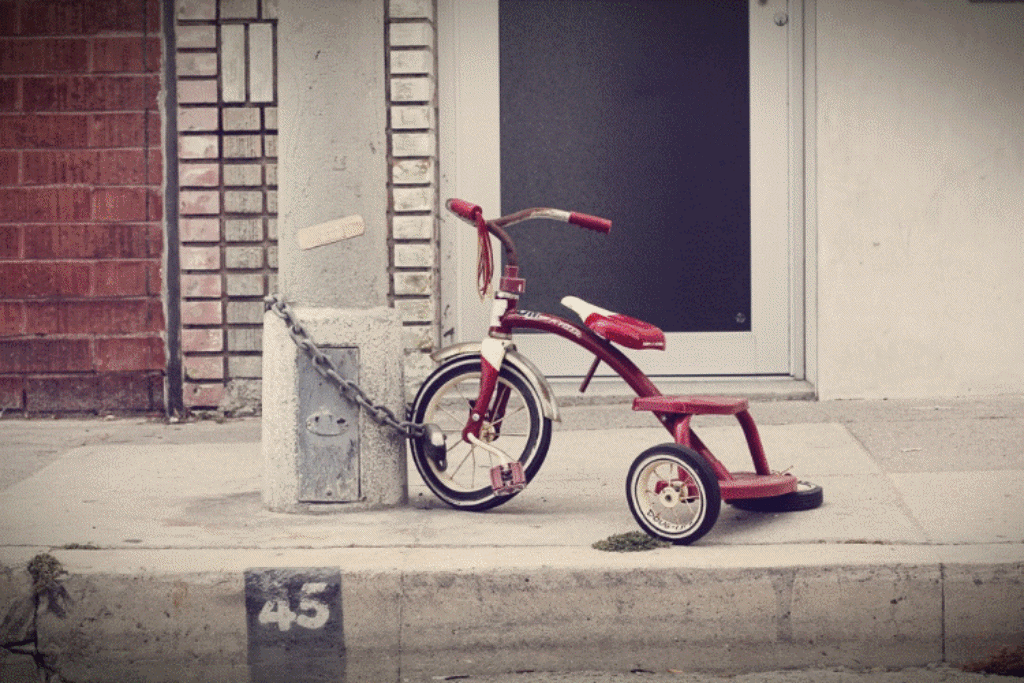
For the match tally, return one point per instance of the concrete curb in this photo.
(414, 614)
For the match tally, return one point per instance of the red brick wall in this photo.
(81, 314)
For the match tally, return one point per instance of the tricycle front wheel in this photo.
(673, 493)
(462, 479)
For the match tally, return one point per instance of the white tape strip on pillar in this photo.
(330, 232)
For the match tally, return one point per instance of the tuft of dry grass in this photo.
(632, 541)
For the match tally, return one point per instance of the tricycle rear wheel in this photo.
(806, 497)
(673, 493)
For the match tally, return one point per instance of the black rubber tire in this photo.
(807, 497)
(667, 469)
(444, 399)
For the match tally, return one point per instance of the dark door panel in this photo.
(637, 111)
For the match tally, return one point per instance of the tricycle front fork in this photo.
(492, 354)
(508, 477)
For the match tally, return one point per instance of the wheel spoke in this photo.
(463, 396)
(469, 454)
(508, 414)
(450, 413)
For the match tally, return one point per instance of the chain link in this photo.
(347, 389)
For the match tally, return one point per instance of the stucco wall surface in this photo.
(920, 197)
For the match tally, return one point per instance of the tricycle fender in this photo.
(513, 357)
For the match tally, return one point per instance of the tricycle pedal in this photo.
(508, 479)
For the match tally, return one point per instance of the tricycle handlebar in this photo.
(464, 209)
(595, 223)
(471, 212)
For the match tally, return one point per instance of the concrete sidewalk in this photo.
(175, 571)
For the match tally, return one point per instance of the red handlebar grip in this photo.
(602, 225)
(464, 209)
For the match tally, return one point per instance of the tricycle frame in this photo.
(674, 479)
(674, 414)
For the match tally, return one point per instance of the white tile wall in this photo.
(414, 199)
(227, 150)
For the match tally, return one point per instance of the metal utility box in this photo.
(328, 444)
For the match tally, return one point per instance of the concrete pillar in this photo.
(332, 164)
(348, 466)
(332, 149)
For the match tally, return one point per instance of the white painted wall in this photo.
(920, 198)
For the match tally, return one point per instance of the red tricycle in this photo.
(495, 408)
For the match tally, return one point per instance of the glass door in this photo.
(671, 119)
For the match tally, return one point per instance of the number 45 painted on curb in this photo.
(311, 614)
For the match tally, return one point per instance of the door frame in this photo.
(479, 180)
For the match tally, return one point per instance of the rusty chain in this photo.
(348, 389)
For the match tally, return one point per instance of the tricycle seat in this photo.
(615, 327)
(691, 405)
